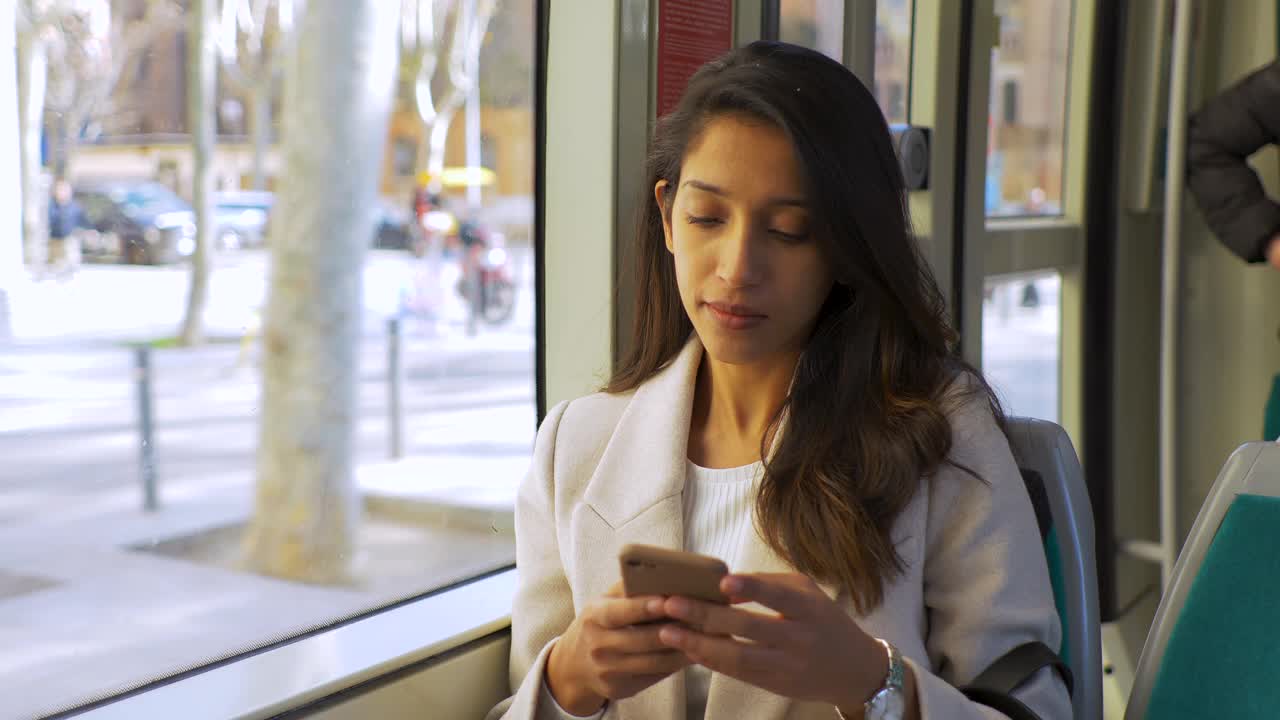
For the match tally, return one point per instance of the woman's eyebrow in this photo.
(717, 190)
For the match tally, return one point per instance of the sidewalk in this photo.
(121, 303)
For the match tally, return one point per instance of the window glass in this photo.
(1021, 346)
(893, 57)
(817, 24)
(167, 501)
(1028, 108)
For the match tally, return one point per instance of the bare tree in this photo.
(201, 96)
(88, 58)
(69, 66)
(37, 23)
(253, 39)
(337, 97)
(438, 37)
(10, 175)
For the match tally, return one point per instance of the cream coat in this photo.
(609, 470)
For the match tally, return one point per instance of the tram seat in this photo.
(1056, 485)
(1214, 647)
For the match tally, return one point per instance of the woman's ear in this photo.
(664, 211)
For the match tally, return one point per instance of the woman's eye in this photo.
(790, 236)
(703, 220)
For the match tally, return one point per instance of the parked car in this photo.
(135, 222)
(243, 216)
(240, 217)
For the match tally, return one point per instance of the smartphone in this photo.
(650, 570)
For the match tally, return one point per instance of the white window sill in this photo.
(293, 675)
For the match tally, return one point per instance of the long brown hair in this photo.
(867, 414)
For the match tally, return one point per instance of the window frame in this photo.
(321, 665)
(1027, 244)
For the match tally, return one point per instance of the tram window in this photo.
(1021, 346)
(817, 24)
(278, 510)
(893, 57)
(1028, 108)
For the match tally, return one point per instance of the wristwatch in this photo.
(889, 702)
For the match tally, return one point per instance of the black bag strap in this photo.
(1012, 707)
(994, 687)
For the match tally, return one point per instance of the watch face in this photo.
(888, 704)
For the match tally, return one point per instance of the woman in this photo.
(793, 405)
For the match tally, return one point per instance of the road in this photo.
(1021, 347)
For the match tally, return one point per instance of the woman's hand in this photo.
(606, 654)
(812, 651)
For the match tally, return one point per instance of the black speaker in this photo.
(912, 144)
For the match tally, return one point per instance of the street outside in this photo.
(1021, 345)
(97, 594)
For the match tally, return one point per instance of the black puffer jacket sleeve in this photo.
(1222, 135)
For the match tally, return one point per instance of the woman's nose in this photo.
(740, 263)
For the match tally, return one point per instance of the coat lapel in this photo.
(637, 484)
(636, 490)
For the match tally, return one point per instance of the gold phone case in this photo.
(650, 570)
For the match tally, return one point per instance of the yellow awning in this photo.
(461, 177)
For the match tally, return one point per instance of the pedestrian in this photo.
(65, 218)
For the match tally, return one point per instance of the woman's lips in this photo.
(735, 317)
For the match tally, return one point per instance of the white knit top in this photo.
(717, 517)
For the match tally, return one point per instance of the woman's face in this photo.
(752, 277)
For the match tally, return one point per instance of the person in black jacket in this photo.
(1223, 134)
(65, 218)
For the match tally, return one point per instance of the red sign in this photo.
(690, 32)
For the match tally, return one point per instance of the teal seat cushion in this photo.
(1223, 656)
(1053, 555)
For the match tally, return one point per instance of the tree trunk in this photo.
(438, 136)
(200, 119)
(33, 79)
(338, 84)
(10, 175)
(260, 128)
(467, 32)
(424, 150)
(472, 115)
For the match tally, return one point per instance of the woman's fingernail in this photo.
(679, 607)
(731, 585)
(654, 606)
(671, 635)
